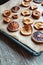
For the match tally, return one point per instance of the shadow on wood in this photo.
(16, 47)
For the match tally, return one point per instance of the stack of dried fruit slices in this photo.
(24, 22)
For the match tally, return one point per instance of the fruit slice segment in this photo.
(27, 20)
(25, 13)
(37, 37)
(6, 13)
(33, 7)
(25, 4)
(36, 14)
(26, 30)
(38, 25)
(13, 26)
(15, 9)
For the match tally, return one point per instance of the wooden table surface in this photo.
(13, 54)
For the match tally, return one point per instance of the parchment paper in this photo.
(24, 39)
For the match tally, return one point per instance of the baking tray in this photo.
(28, 49)
(35, 49)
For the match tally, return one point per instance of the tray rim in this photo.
(33, 52)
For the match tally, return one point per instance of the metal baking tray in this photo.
(23, 41)
(28, 49)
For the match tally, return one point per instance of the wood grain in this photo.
(13, 54)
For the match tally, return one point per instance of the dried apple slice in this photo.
(33, 7)
(26, 30)
(27, 20)
(6, 13)
(36, 14)
(6, 20)
(38, 25)
(13, 26)
(15, 16)
(15, 9)
(25, 4)
(25, 13)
